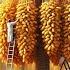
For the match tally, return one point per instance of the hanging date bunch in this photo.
(66, 29)
(3, 42)
(3, 28)
(50, 27)
(26, 30)
(10, 10)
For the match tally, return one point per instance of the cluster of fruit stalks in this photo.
(54, 26)
(24, 30)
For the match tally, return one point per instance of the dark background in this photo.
(42, 59)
